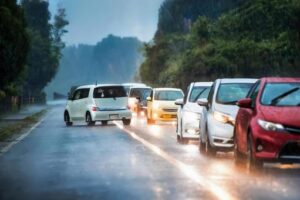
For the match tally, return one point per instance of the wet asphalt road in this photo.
(136, 162)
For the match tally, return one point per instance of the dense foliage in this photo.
(46, 44)
(113, 60)
(257, 38)
(13, 46)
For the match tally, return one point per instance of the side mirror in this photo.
(244, 103)
(202, 102)
(179, 102)
(149, 99)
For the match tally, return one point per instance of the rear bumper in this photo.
(111, 115)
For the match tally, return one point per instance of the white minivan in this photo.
(219, 113)
(91, 103)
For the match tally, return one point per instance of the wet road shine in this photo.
(136, 162)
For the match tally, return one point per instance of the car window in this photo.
(142, 93)
(281, 94)
(230, 93)
(109, 92)
(168, 95)
(84, 93)
(77, 94)
(198, 93)
(254, 92)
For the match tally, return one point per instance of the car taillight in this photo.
(128, 107)
(94, 108)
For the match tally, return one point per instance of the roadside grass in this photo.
(9, 131)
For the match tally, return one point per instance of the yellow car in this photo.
(161, 104)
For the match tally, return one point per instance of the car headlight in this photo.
(191, 115)
(270, 126)
(226, 119)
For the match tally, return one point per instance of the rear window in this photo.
(142, 93)
(109, 92)
(168, 95)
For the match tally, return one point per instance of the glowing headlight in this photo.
(192, 115)
(269, 126)
(221, 117)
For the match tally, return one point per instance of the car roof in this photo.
(98, 85)
(140, 87)
(202, 83)
(280, 79)
(164, 89)
(133, 84)
(238, 80)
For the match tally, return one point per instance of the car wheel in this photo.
(252, 164)
(202, 146)
(88, 119)
(211, 151)
(67, 119)
(104, 122)
(238, 157)
(126, 122)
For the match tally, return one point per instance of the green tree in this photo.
(13, 45)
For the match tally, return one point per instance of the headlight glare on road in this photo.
(270, 126)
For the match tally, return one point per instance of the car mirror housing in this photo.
(202, 102)
(245, 103)
(179, 102)
(149, 99)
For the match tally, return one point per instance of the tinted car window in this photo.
(168, 95)
(76, 95)
(281, 94)
(84, 93)
(198, 93)
(142, 93)
(109, 92)
(230, 93)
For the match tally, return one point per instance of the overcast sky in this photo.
(92, 20)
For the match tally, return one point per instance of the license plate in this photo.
(167, 116)
(114, 116)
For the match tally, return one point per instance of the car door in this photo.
(245, 116)
(75, 105)
(83, 102)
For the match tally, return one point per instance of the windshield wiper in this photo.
(278, 98)
(196, 98)
(229, 102)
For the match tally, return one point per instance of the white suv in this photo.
(189, 112)
(219, 113)
(93, 103)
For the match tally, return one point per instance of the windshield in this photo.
(230, 93)
(141, 93)
(168, 95)
(281, 94)
(199, 93)
(109, 92)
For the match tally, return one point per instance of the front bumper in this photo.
(161, 115)
(273, 146)
(110, 115)
(220, 134)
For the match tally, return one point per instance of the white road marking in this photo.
(218, 191)
(20, 138)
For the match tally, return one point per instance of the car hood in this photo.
(227, 109)
(166, 104)
(289, 116)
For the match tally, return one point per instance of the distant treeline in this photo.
(30, 48)
(113, 60)
(208, 39)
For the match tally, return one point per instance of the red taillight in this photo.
(94, 108)
(128, 107)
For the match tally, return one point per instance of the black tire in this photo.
(238, 156)
(126, 122)
(210, 151)
(88, 119)
(67, 119)
(202, 147)
(252, 164)
(104, 122)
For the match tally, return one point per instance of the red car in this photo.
(267, 127)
